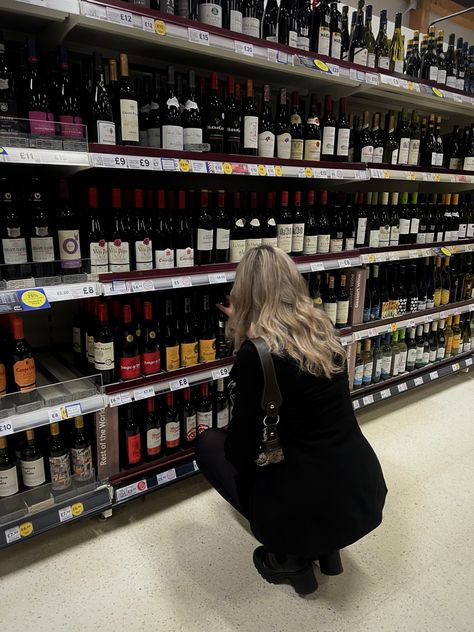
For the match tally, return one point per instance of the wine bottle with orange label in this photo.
(207, 337)
(24, 369)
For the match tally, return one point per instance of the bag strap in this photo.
(271, 396)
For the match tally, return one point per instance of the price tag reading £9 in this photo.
(218, 374)
(198, 37)
(177, 385)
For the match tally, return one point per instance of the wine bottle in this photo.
(250, 120)
(172, 128)
(468, 161)
(429, 62)
(266, 127)
(361, 216)
(282, 127)
(68, 233)
(345, 39)
(298, 227)
(204, 409)
(102, 126)
(232, 120)
(343, 132)
(397, 53)
(428, 147)
(459, 64)
(284, 224)
(8, 99)
(304, 19)
(404, 137)
(365, 147)
(413, 62)
(441, 58)
(119, 240)
(8, 471)
(237, 232)
(337, 230)
(330, 302)
(39, 107)
(296, 129)
(253, 225)
(384, 229)
(171, 425)
(222, 230)
(215, 117)
(211, 13)
(41, 240)
(207, 335)
(375, 294)
(251, 21)
(310, 242)
(67, 106)
(163, 235)
(154, 114)
(32, 462)
(127, 106)
(268, 224)
(378, 139)
(132, 445)
(342, 305)
(391, 147)
(414, 147)
(220, 406)
(329, 131)
(321, 35)
(373, 223)
(358, 367)
(205, 232)
(96, 243)
(171, 343)
(369, 36)
(104, 354)
(358, 44)
(23, 362)
(81, 452)
(128, 351)
(189, 347)
(183, 236)
(143, 246)
(312, 133)
(439, 143)
(287, 29)
(270, 22)
(394, 220)
(150, 348)
(143, 89)
(59, 462)
(192, 123)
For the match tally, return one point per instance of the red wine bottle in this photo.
(329, 131)
(68, 233)
(183, 235)
(207, 332)
(170, 352)
(96, 245)
(297, 237)
(128, 351)
(253, 224)
(188, 420)
(171, 425)
(343, 132)
(132, 447)
(284, 224)
(215, 117)
(222, 228)
(102, 126)
(192, 123)
(163, 237)
(69, 115)
(237, 231)
(119, 240)
(287, 31)
(39, 108)
(104, 354)
(172, 128)
(269, 226)
(282, 127)
(220, 406)
(12, 231)
(204, 409)
(153, 432)
(205, 232)
(266, 127)
(142, 238)
(8, 92)
(312, 133)
(127, 106)
(42, 247)
(150, 351)
(296, 128)
(189, 347)
(232, 120)
(250, 118)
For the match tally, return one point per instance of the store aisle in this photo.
(179, 559)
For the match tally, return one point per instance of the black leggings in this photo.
(220, 472)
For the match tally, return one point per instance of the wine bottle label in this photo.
(90, 349)
(8, 482)
(266, 144)
(254, 242)
(462, 231)
(468, 164)
(129, 368)
(358, 375)
(323, 243)
(395, 364)
(104, 356)
(374, 238)
(32, 472)
(460, 81)
(451, 81)
(205, 239)
(375, 312)
(331, 310)
(134, 451)
(271, 38)
(270, 241)
(429, 238)
(425, 357)
(119, 256)
(324, 40)
(349, 243)
(237, 250)
(302, 42)
(366, 314)
(411, 356)
(386, 365)
(153, 441)
(297, 148)
(394, 157)
(440, 353)
(172, 434)
(250, 132)
(99, 257)
(71, 126)
(361, 228)
(404, 151)
(421, 238)
(222, 418)
(367, 153)
(150, 362)
(164, 259)
(343, 142)
(383, 63)
(335, 244)
(455, 163)
(310, 244)
(384, 236)
(207, 350)
(414, 225)
(190, 427)
(342, 312)
(360, 56)
(172, 358)
(329, 137)
(394, 236)
(144, 254)
(398, 66)
(60, 469)
(14, 251)
(470, 230)
(368, 370)
(404, 226)
(81, 462)
(251, 26)
(184, 257)
(284, 145)
(236, 21)
(413, 151)
(210, 13)
(434, 159)
(192, 136)
(24, 374)
(106, 133)
(129, 120)
(293, 39)
(204, 420)
(297, 238)
(154, 136)
(378, 155)
(222, 239)
(441, 76)
(69, 249)
(378, 368)
(370, 60)
(284, 236)
(444, 297)
(402, 363)
(437, 297)
(312, 149)
(189, 353)
(433, 73)
(42, 123)
(335, 45)
(173, 137)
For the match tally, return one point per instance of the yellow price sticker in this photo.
(309, 172)
(394, 326)
(386, 174)
(454, 250)
(262, 170)
(456, 366)
(412, 175)
(437, 92)
(160, 27)
(227, 167)
(446, 251)
(278, 171)
(437, 177)
(33, 298)
(77, 509)
(184, 165)
(321, 65)
(371, 258)
(26, 529)
(411, 85)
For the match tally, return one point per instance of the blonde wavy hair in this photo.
(271, 295)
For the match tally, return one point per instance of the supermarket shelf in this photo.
(121, 393)
(151, 476)
(375, 393)
(50, 157)
(388, 325)
(21, 521)
(420, 174)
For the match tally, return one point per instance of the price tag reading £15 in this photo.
(198, 37)
(177, 385)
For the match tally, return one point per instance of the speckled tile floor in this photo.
(180, 560)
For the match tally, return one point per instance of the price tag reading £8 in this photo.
(218, 374)
(177, 385)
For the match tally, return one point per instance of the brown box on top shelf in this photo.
(357, 280)
(351, 359)
(107, 442)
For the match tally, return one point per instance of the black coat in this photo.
(330, 491)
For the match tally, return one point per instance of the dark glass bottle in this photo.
(270, 22)
(215, 117)
(358, 44)
(32, 462)
(23, 362)
(250, 122)
(296, 128)
(127, 106)
(39, 107)
(42, 246)
(222, 230)
(188, 420)
(131, 442)
(312, 133)
(205, 232)
(220, 406)
(68, 233)
(329, 131)
(172, 134)
(119, 238)
(150, 345)
(282, 127)
(304, 19)
(321, 33)
(192, 123)
(232, 120)
(266, 127)
(343, 132)
(207, 333)
(287, 29)
(336, 32)
(128, 352)
(96, 250)
(391, 147)
(104, 355)
(429, 62)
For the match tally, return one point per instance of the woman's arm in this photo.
(245, 427)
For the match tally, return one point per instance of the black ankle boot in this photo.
(331, 564)
(292, 570)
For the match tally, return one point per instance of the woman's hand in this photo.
(228, 309)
